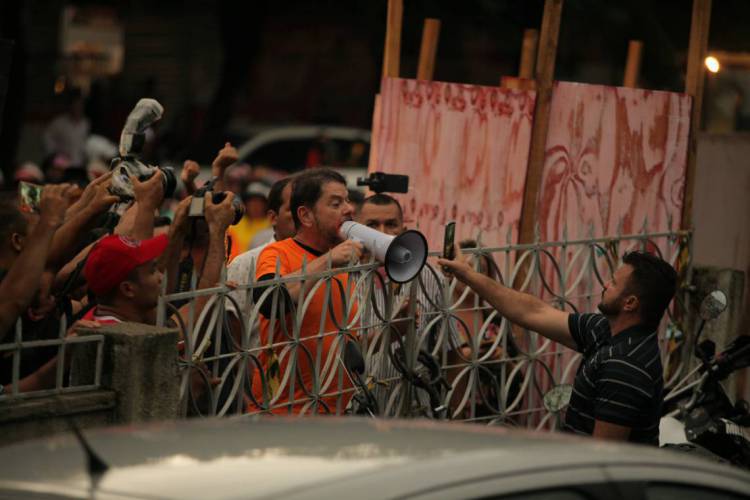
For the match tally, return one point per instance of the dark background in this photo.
(222, 68)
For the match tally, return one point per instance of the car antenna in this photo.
(95, 466)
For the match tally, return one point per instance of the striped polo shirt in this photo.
(619, 379)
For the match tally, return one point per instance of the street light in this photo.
(712, 64)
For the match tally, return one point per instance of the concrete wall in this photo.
(721, 206)
(139, 382)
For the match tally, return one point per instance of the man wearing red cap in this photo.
(125, 274)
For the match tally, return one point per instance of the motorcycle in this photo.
(699, 416)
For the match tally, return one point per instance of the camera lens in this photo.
(170, 181)
(239, 208)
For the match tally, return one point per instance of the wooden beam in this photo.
(528, 53)
(428, 50)
(699, 27)
(373, 162)
(633, 64)
(545, 73)
(392, 52)
(731, 59)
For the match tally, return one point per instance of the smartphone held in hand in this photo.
(29, 195)
(449, 249)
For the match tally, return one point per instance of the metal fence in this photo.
(430, 347)
(31, 355)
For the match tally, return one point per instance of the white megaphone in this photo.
(403, 256)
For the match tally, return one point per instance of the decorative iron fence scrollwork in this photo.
(430, 348)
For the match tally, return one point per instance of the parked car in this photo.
(267, 457)
(291, 148)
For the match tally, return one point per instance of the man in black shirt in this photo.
(617, 393)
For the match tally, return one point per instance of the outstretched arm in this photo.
(520, 308)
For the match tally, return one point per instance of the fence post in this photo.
(138, 363)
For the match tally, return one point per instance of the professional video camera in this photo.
(380, 182)
(146, 112)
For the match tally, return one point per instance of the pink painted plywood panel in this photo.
(614, 156)
(465, 149)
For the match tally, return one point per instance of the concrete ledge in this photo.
(30, 418)
(59, 405)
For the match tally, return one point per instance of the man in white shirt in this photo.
(243, 266)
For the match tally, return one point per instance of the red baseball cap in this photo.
(114, 257)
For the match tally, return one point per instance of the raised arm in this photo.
(148, 198)
(218, 218)
(170, 260)
(67, 240)
(190, 171)
(22, 281)
(520, 308)
(226, 157)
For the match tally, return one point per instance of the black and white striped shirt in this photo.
(619, 380)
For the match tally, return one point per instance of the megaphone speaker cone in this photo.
(406, 256)
(403, 256)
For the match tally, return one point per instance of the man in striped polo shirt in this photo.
(617, 393)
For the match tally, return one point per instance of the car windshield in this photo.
(295, 154)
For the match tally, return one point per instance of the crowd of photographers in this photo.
(96, 252)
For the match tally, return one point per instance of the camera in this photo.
(380, 182)
(198, 203)
(146, 112)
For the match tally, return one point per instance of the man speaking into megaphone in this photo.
(319, 205)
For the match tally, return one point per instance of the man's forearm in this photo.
(22, 281)
(169, 262)
(211, 271)
(215, 258)
(510, 303)
(65, 241)
(314, 266)
(143, 226)
(522, 309)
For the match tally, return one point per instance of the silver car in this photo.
(354, 458)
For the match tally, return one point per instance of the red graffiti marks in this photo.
(614, 156)
(465, 149)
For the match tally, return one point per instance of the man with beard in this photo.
(319, 205)
(617, 393)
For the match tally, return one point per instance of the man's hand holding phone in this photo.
(449, 250)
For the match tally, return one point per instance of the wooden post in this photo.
(392, 52)
(545, 73)
(391, 62)
(633, 64)
(373, 160)
(428, 50)
(528, 53)
(699, 26)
